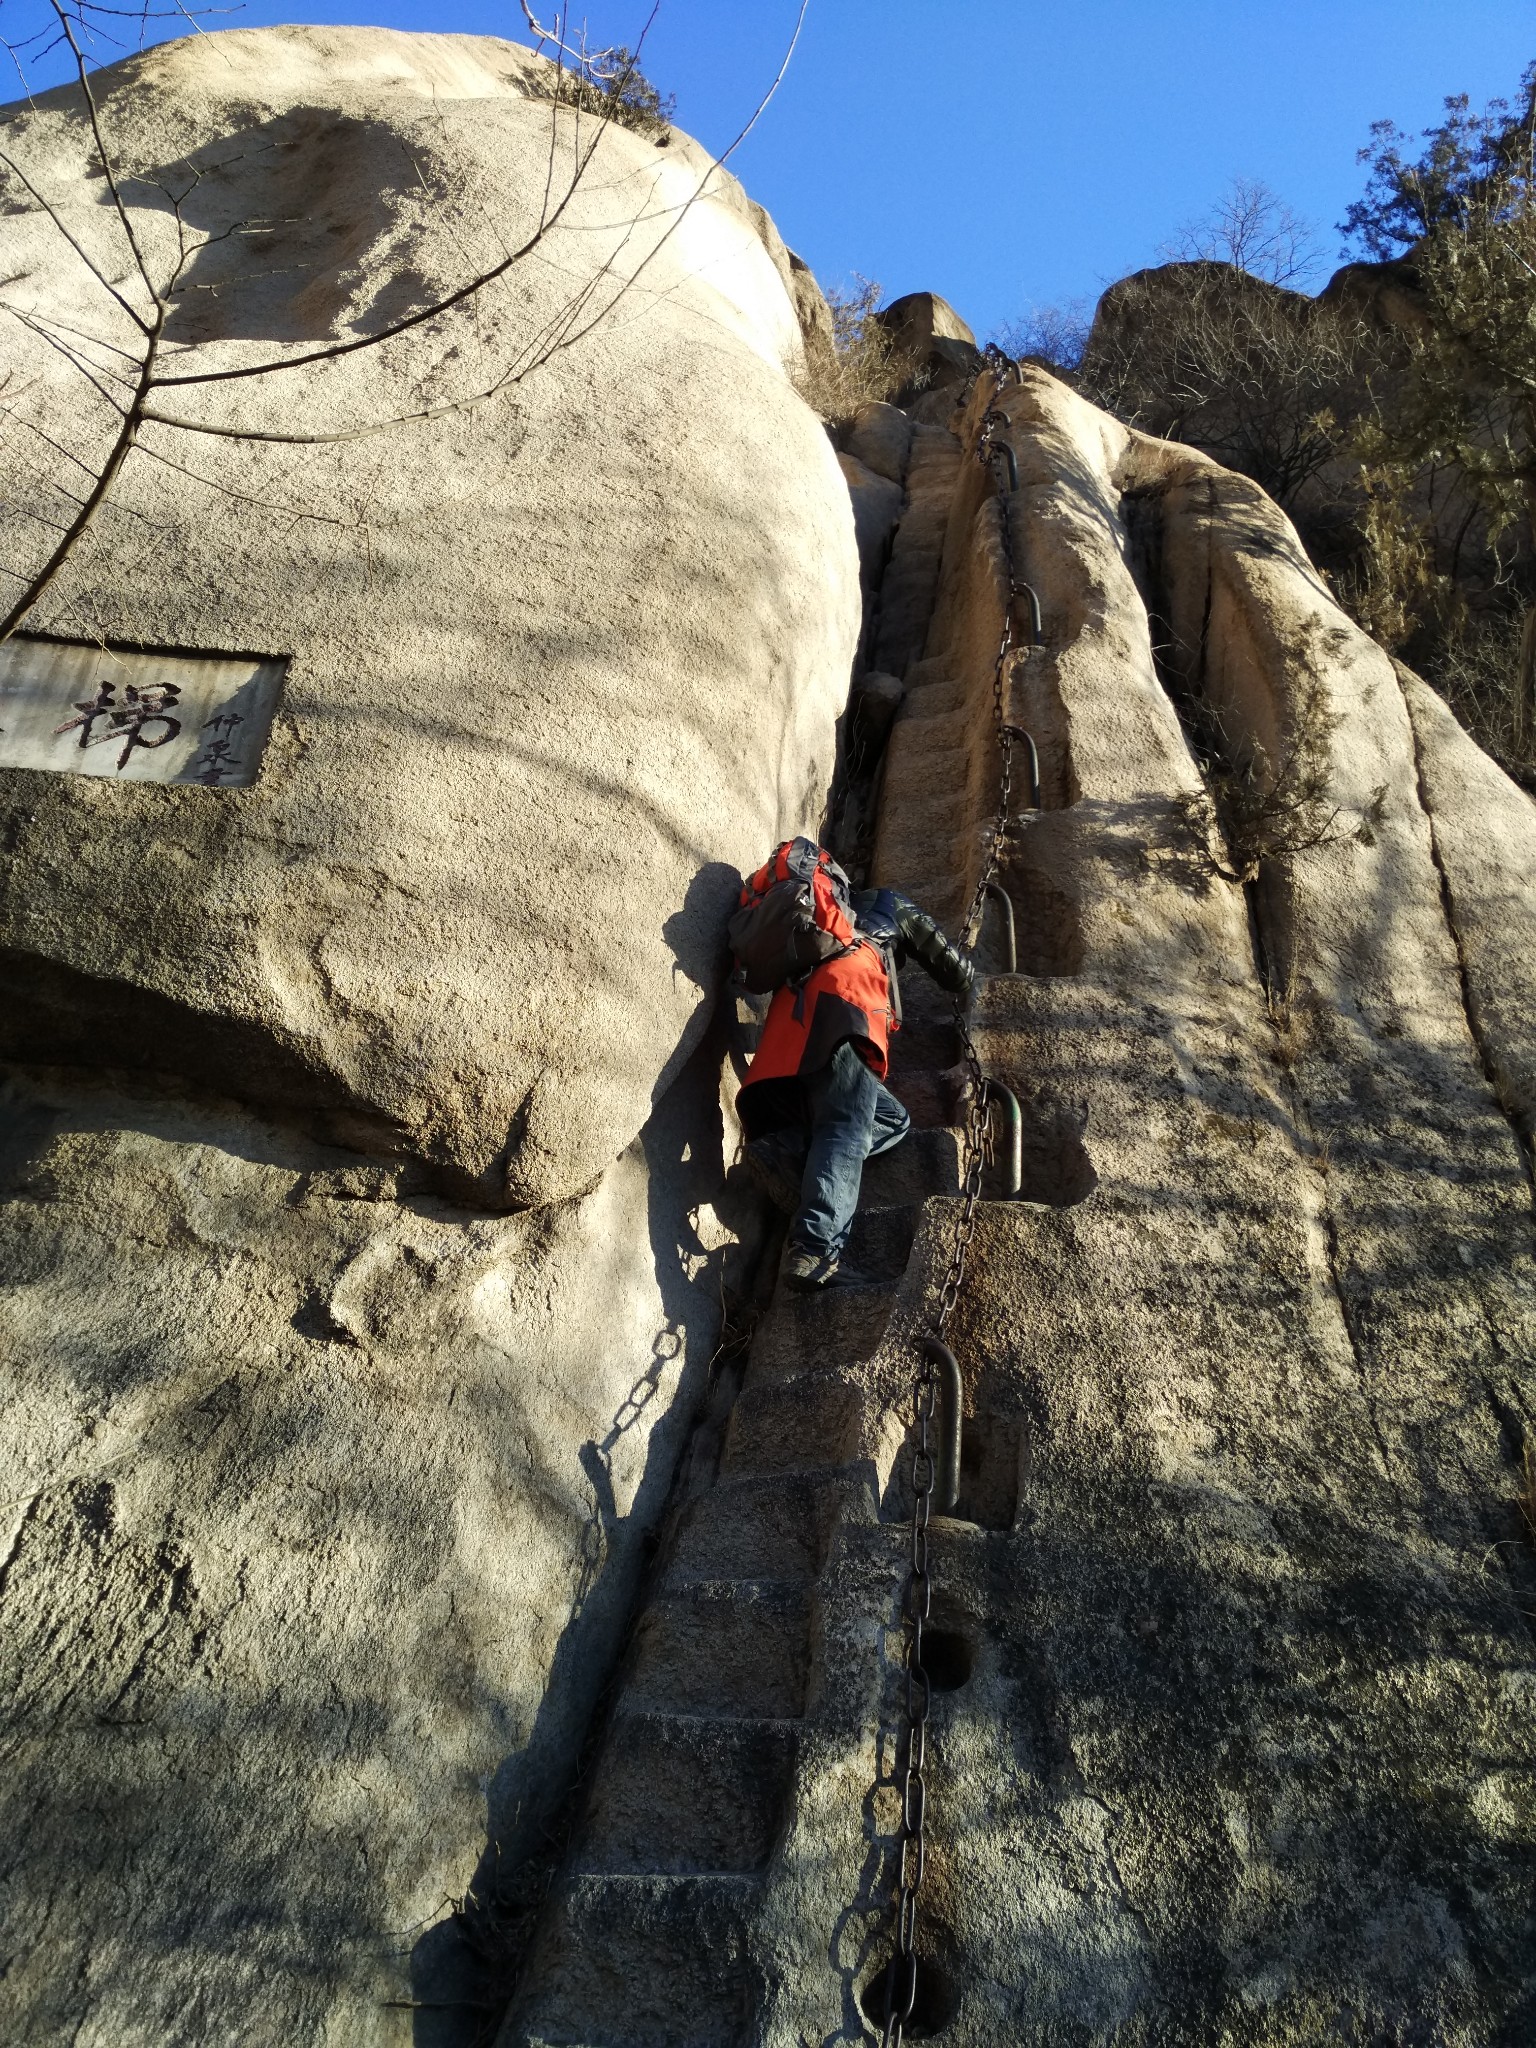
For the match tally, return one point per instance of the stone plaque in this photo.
(83, 710)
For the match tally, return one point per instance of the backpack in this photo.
(795, 913)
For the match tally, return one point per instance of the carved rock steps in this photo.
(911, 579)
(647, 1942)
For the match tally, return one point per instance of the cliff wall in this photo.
(1228, 1640)
(367, 1207)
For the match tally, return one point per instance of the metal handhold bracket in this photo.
(951, 1407)
(1036, 624)
(1018, 732)
(1015, 1116)
(999, 895)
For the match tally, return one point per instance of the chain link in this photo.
(917, 1594)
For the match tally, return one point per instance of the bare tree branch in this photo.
(576, 317)
(106, 284)
(117, 455)
(292, 512)
(71, 356)
(333, 350)
(488, 277)
(101, 148)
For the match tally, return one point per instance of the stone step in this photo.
(937, 668)
(678, 1794)
(924, 1163)
(931, 1095)
(947, 697)
(880, 1243)
(910, 586)
(810, 1334)
(749, 1528)
(812, 1422)
(928, 1035)
(934, 780)
(642, 1962)
(931, 730)
(726, 1647)
(936, 452)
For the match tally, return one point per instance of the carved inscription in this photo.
(82, 710)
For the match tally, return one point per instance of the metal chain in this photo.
(1001, 366)
(916, 1600)
(917, 1594)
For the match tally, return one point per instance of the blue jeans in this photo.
(849, 1117)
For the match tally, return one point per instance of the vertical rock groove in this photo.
(1470, 1008)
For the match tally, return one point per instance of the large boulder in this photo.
(365, 1213)
(559, 658)
(324, 1509)
(881, 438)
(929, 340)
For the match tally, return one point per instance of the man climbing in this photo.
(813, 1104)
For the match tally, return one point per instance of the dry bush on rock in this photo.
(1055, 335)
(861, 365)
(1251, 228)
(1268, 807)
(610, 85)
(1391, 587)
(1482, 669)
(1251, 373)
(1465, 214)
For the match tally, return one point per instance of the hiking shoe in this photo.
(808, 1272)
(770, 1168)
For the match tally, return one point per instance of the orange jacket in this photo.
(846, 997)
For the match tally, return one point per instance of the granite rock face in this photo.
(325, 1504)
(559, 658)
(1229, 1632)
(1236, 1739)
(929, 339)
(366, 1211)
(331, 1499)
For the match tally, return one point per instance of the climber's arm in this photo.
(924, 941)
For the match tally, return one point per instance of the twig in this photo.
(117, 456)
(106, 284)
(101, 148)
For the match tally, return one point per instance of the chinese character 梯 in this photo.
(126, 722)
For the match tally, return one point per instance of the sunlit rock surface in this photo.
(560, 658)
(364, 1221)
(1229, 1634)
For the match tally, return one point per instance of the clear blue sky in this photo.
(1009, 152)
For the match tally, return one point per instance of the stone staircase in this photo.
(910, 583)
(647, 1942)
(781, 1568)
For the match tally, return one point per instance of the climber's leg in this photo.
(851, 1116)
(890, 1123)
(777, 1164)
